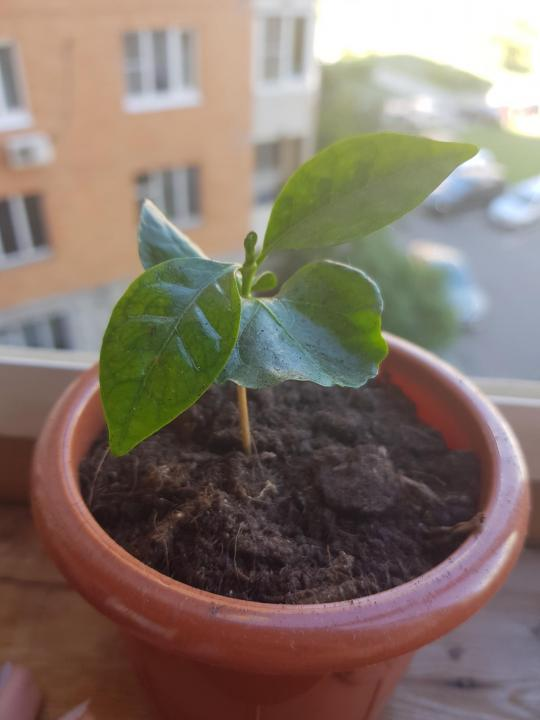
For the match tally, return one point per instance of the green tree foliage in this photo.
(352, 100)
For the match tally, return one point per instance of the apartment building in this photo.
(203, 106)
(284, 96)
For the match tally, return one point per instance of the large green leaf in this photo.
(168, 339)
(323, 326)
(357, 186)
(160, 240)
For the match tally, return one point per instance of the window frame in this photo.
(42, 324)
(268, 179)
(19, 118)
(287, 79)
(27, 252)
(181, 187)
(150, 99)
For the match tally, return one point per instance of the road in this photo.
(506, 264)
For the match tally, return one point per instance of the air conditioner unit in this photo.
(29, 150)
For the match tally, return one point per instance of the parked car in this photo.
(517, 207)
(473, 184)
(467, 299)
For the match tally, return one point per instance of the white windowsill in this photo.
(15, 120)
(158, 102)
(25, 257)
(30, 381)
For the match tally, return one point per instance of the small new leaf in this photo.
(265, 282)
(168, 339)
(324, 326)
(160, 240)
(357, 186)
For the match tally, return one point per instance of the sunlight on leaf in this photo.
(357, 186)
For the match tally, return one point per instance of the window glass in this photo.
(22, 230)
(187, 59)
(132, 61)
(175, 191)
(159, 63)
(267, 155)
(12, 336)
(169, 202)
(284, 48)
(46, 331)
(32, 335)
(61, 332)
(274, 162)
(194, 205)
(7, 233)
(34, 213)
(299, 45)
(293, 155)
(8, 84)
(272, 48)
(161, 68)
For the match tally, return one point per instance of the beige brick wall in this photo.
(72, 64)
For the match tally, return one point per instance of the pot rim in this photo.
(221, 630)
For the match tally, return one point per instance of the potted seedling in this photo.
(285, 566)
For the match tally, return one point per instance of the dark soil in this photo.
(347, 494)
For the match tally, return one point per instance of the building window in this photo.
(160, 69)
(274, 162)
(284, 46)
(52, 331)
(13, 113)
(267, 181)
(299, 46)
(22, 230)
(175, 192)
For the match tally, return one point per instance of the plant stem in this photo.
(247, 271)
(244, 418)
(249, 268)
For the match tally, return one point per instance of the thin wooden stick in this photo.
(244, 418)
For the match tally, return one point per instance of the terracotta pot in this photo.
(203, 656)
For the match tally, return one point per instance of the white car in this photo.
(517, 207)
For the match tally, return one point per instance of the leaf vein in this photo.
(155, 361)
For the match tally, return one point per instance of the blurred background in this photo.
(207, 106)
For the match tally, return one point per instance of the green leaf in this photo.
(324, 325)
(357, 186)
(168, 339)
(160, 240)
(265, 282)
